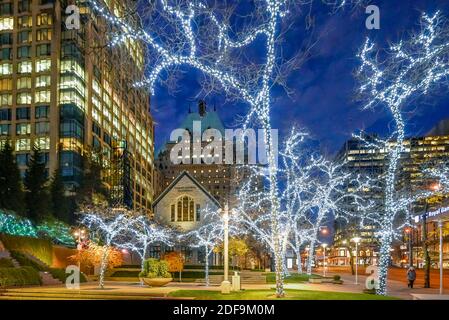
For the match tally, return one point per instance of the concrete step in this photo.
(48, 280)
(6, 255)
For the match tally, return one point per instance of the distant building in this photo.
(419, 152)
(217, 178)
(69, 93)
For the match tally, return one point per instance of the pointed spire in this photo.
(202, 108)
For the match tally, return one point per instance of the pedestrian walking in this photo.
(411, 276)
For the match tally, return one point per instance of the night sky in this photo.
(324, 88)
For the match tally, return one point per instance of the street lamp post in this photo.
(80, 237)
(324, 245)
(440, 225)
(356, 240)
(226, 285)
(409, 232)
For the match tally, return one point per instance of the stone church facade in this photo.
(180, 205)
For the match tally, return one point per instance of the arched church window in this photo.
(185, 210)
(191, 209)
(179, 216)
(173, 215)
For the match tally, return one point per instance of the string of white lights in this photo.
(411, 68)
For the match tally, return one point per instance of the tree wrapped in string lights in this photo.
(208, 236)
(314, 191)
(192, 34)
(392, 79)
(143, 233)
(107, 225)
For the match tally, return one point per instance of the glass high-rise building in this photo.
(71, 94)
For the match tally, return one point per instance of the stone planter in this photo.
(156, 282)
(316, 280)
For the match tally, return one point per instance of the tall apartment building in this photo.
(419, 152)
(71, 94)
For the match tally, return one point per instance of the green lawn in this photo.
(270, 294)
(293, 278)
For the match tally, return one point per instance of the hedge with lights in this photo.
(56, 231)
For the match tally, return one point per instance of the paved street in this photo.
(126, 290)
(399, 275)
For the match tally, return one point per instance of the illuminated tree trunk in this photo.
(390, 211)
(103, 265)
(206, 265)
(299, 261)
(310, 256)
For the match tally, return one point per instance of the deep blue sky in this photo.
(323, 100)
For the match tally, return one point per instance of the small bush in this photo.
(24, 276)
(6, 263)
(154, 268)
(337, 277)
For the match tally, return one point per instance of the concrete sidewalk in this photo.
(395, 288)
(132, 290)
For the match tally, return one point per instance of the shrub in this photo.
(175, 261)
(24, 276)
(153, 268)
(61, 275)
(337, 277)
(39, 248)
(6, 263)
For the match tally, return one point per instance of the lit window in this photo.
(69, 82)
(96, 86)
(44, 19)
(5, 69)
(43, 81)
(23, 144)
(6, 23)
(25, 67)
(5, 84)
(43, 143)
(5, 99)
(185, 210)
(43, 96)
(24, 83)
(24, 98)
(44, 35)
(23, 129)
(71, 97)
(73, 67)
(43, 65)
